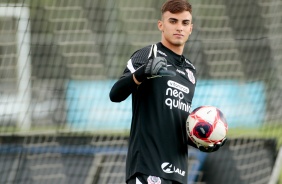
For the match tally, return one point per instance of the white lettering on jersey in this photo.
(178, 86)
(177, 104)
(189, 63)
(181, 72)
(169, 168)
(175, 95)
(162, 53)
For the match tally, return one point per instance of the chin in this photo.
(178, 44)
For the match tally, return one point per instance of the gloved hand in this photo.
(156, 67)
(213, 148)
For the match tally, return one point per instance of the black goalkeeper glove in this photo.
(212, 148)
(156, 67)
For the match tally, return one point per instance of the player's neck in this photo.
(175, 48)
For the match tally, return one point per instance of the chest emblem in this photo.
(191, 76)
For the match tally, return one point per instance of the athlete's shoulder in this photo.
(138, 58)
(188, 63)
(143, 52)
(190, 70)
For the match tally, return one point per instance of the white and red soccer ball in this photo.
(206, 126)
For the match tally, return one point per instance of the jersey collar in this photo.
(179, 60)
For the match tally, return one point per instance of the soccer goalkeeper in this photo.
(162, 83)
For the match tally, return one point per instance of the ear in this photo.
(191, 29)
(160, 25)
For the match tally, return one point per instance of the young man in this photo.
(162, 83)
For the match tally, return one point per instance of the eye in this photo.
(172, 21)
(186, 23)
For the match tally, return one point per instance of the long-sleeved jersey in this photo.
(160, 107)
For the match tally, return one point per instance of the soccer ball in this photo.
(206, 126)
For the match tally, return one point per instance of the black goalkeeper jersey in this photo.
(160, 107)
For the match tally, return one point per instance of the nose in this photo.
(179, 30)
(179, 27)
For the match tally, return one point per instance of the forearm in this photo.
(122, 88)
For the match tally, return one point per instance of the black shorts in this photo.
(145, 179)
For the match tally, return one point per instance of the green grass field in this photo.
(267, 131)
(270, 131)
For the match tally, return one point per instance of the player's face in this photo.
(175, 28)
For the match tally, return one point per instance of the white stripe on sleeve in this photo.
(130, 66)
(137, 181)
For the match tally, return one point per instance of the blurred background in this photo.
(60, 58)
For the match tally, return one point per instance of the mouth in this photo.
(178, 35)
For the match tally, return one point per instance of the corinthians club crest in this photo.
(191, 76)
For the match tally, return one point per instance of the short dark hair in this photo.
(176, 6)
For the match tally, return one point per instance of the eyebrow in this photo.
(185, 20)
